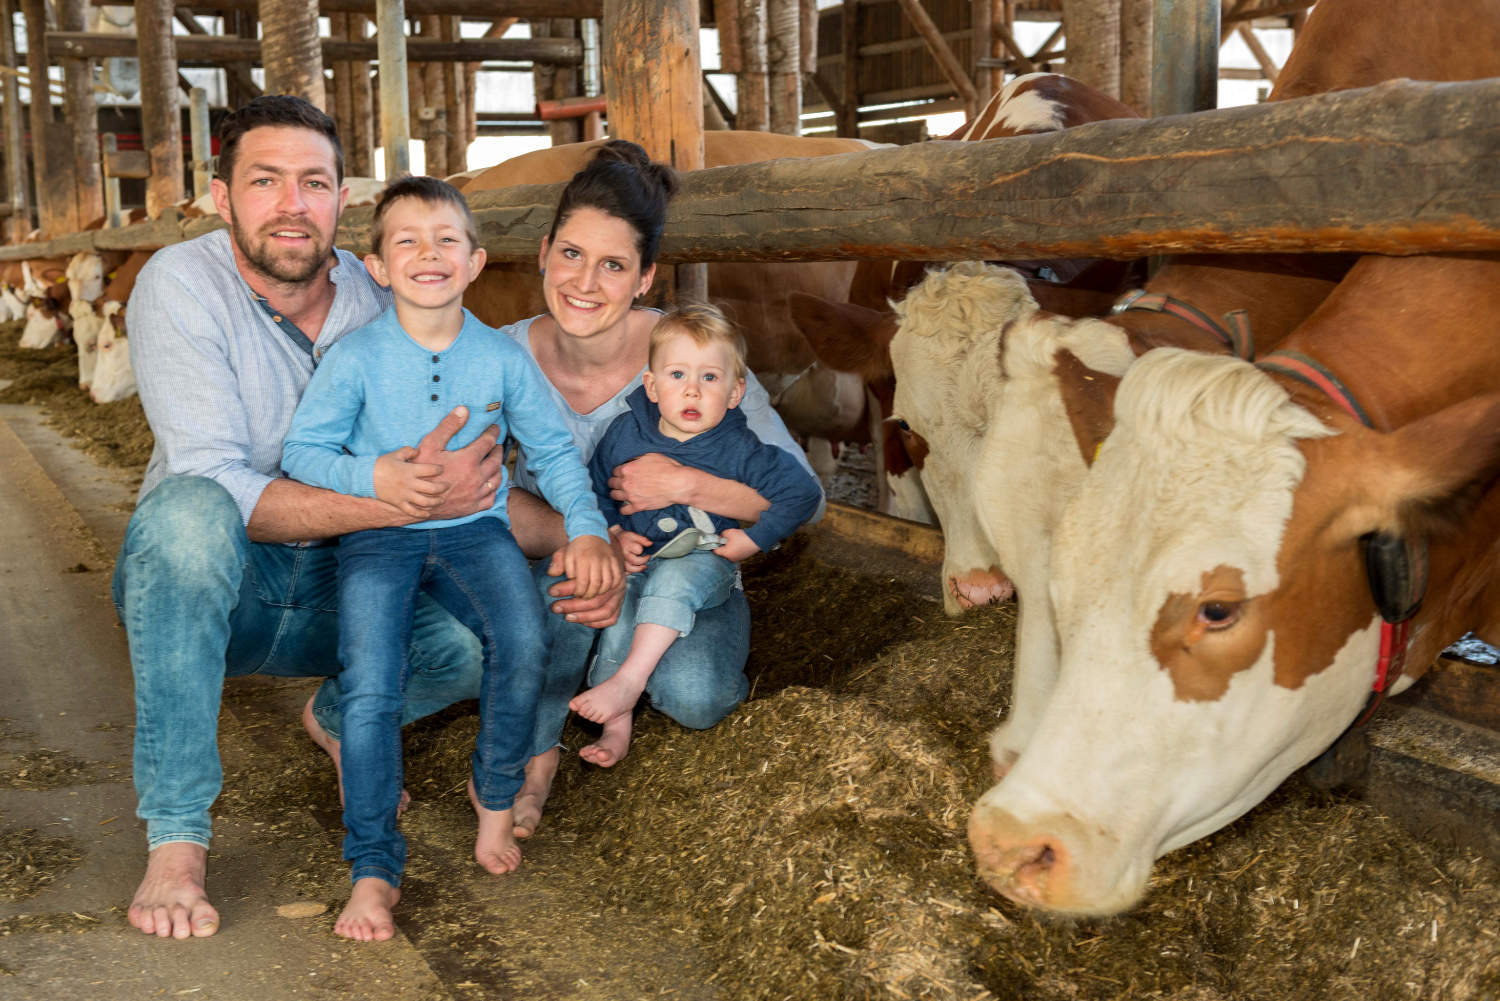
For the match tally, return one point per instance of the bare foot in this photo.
(608, 699)
(611, 746)
(171, 902)
(322, 739)
(526, 812)
(495, 848)
(367, 915)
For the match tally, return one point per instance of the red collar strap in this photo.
(1393, 634)
(1234, 333)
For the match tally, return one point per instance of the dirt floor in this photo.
(812, 845)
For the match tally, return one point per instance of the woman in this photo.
(591, 344)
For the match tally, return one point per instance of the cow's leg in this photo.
(1032, 683)
(820, 455)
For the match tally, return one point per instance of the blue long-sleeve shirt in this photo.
(729, 450)
(378, 390)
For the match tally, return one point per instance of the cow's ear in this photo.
(1424, 478)
(845, 337)
(1089, 397)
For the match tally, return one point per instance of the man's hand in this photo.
(471, 474)
(632, 548)
(650, 482)
(596, 612)
(410, 487)
(737, 545)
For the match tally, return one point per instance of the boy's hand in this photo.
(597, 613)
(632, 547)
(593, 564)
(411, 487)
(737, 545)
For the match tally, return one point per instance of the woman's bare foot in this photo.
(328, 744)
(171, 902)
(612, 744)
(495, 847)
(608, 699)
(367, 916)
(526, 812)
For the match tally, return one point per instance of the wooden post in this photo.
(553, 83)
(784, 62)
(395, 120)
(652, 74)
(202, 138)
(359, 144)
(455, 103)
(981, 17)
(1135, 54)
(291, 51)
(19, 222)
(727, 23)
(341, 105)
(1184, 56)
(848, 110)
(41, 110)
(113, 215)
(82, 116)
(753, 113)
(161, 123)
(434, 110)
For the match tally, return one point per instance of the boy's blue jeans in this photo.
(200, 602)
(699, 681)
(478, 573)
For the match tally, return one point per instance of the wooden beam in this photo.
(752, 83)
(848, 106)
(213, 49)
(1018, 55)
(19, 222)
(784, 65)
(82, 115)
(474, 10)
(395, 109)
(1401, 168)
(1267, 64)
(240, 72)
(161, 122)
(947, 61)
(1255, 12)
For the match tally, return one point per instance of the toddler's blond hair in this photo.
(705, 324)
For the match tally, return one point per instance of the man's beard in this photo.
(289, 267)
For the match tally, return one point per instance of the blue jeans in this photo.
(200, 602)
(671, 592)
(699, 681)
(478, 573)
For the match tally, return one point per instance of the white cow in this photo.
(114, 378)
(11, 306)
(85, 277)
(86, 335)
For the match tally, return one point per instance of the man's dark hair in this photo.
(282, 110)
(433, 191)
(622, 181)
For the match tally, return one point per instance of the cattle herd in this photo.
(1219, 501)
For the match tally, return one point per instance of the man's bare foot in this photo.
(331, 747)
(367, 916)
(495, 848)
(612, 744)
(608, 699)
(171, 902)
(526, 812)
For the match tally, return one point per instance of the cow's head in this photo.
(86, 336)
(114, 377)
(85, 276)
(1217, 628)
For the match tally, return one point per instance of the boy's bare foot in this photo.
(367, 916)
(526, 812)
(612, 745)
(328, 744)
(495, 848)
(608, 699)
(171, 902)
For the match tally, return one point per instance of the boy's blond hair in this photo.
(705, 324)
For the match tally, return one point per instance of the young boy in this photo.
(683, 560)
(373, 395)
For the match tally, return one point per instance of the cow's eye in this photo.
(903, 425)
(1219, 614)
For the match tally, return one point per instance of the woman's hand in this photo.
(632, 547)
(650, 482)
(410, 487)
(593, 564)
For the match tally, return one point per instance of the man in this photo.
(225, 569)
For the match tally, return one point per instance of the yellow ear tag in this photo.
(1096, 451)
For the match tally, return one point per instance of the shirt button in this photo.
(437, 358)
(434, 397)
(437, 378)
(276, 318)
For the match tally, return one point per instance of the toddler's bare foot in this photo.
(495, 847)
(328, 744)
(171, 902)
(612, 744)
(526, 812)
(608, 699)
(367, 915)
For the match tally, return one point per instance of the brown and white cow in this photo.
(1217, 627)
(113, 378)
(813, 401)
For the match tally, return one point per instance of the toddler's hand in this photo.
(411, 487)
(737, 545)
(632, 547)
(593, 564)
